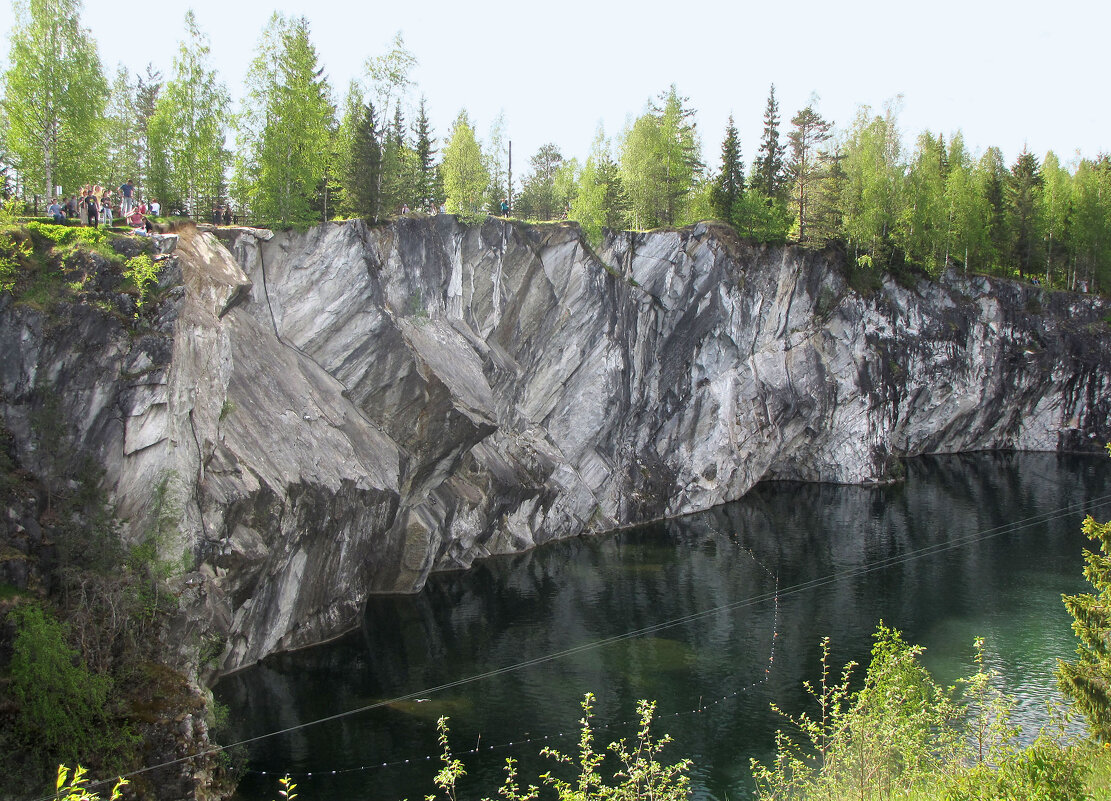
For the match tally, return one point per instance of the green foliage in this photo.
(147, 559)
(729, 184)
(808, 163)
(364, 175)
(1087, 681)
(1024, 196)
(539, 198)
(599, 199)
(452, 769)
(424, 168)
(76, 787)
(188, 159)
(870, 200)
(62, 706)
(637, 771)
(464, 172)
(902, 735)
(294, 145)
(661, 162)
(769, 176)
(54, 95)
(68, 235)
(14, 254)
(143, 273)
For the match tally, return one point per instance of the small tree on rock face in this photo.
(1087, 681)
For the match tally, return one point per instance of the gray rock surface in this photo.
(341, 411)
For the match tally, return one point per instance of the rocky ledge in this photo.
(342, 411)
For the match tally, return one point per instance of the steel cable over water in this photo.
(760, 598)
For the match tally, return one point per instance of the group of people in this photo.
(93, 207)
(221, 215)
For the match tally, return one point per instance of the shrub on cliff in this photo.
(903, 735)
(62, 707)
(1087, 681)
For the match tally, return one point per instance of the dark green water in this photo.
(968, 546)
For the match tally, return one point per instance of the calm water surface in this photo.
(968, 546)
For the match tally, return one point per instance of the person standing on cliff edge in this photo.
(504, 207)
(127, 202)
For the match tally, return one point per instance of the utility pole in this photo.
(509, 188)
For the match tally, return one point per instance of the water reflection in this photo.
(574, 597)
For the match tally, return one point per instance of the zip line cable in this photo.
(795, 589)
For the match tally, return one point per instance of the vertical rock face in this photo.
(344, 410)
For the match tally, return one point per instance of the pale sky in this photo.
(1005, 73)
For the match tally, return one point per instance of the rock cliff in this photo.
(341, 411)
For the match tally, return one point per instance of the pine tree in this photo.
(1087, 681)
(809, 133)
(729, 185)
(615, 200)
(769, 175)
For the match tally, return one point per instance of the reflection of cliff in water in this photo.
(1004, 584)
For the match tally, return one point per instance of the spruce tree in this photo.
(365, 166)
(1024, 205)
(990, 178)
(424, 173)
(615, 200)
(769, 176)
(729, 184)
(1087, 681)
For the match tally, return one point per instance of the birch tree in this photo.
(188, 157)
(54, 96)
